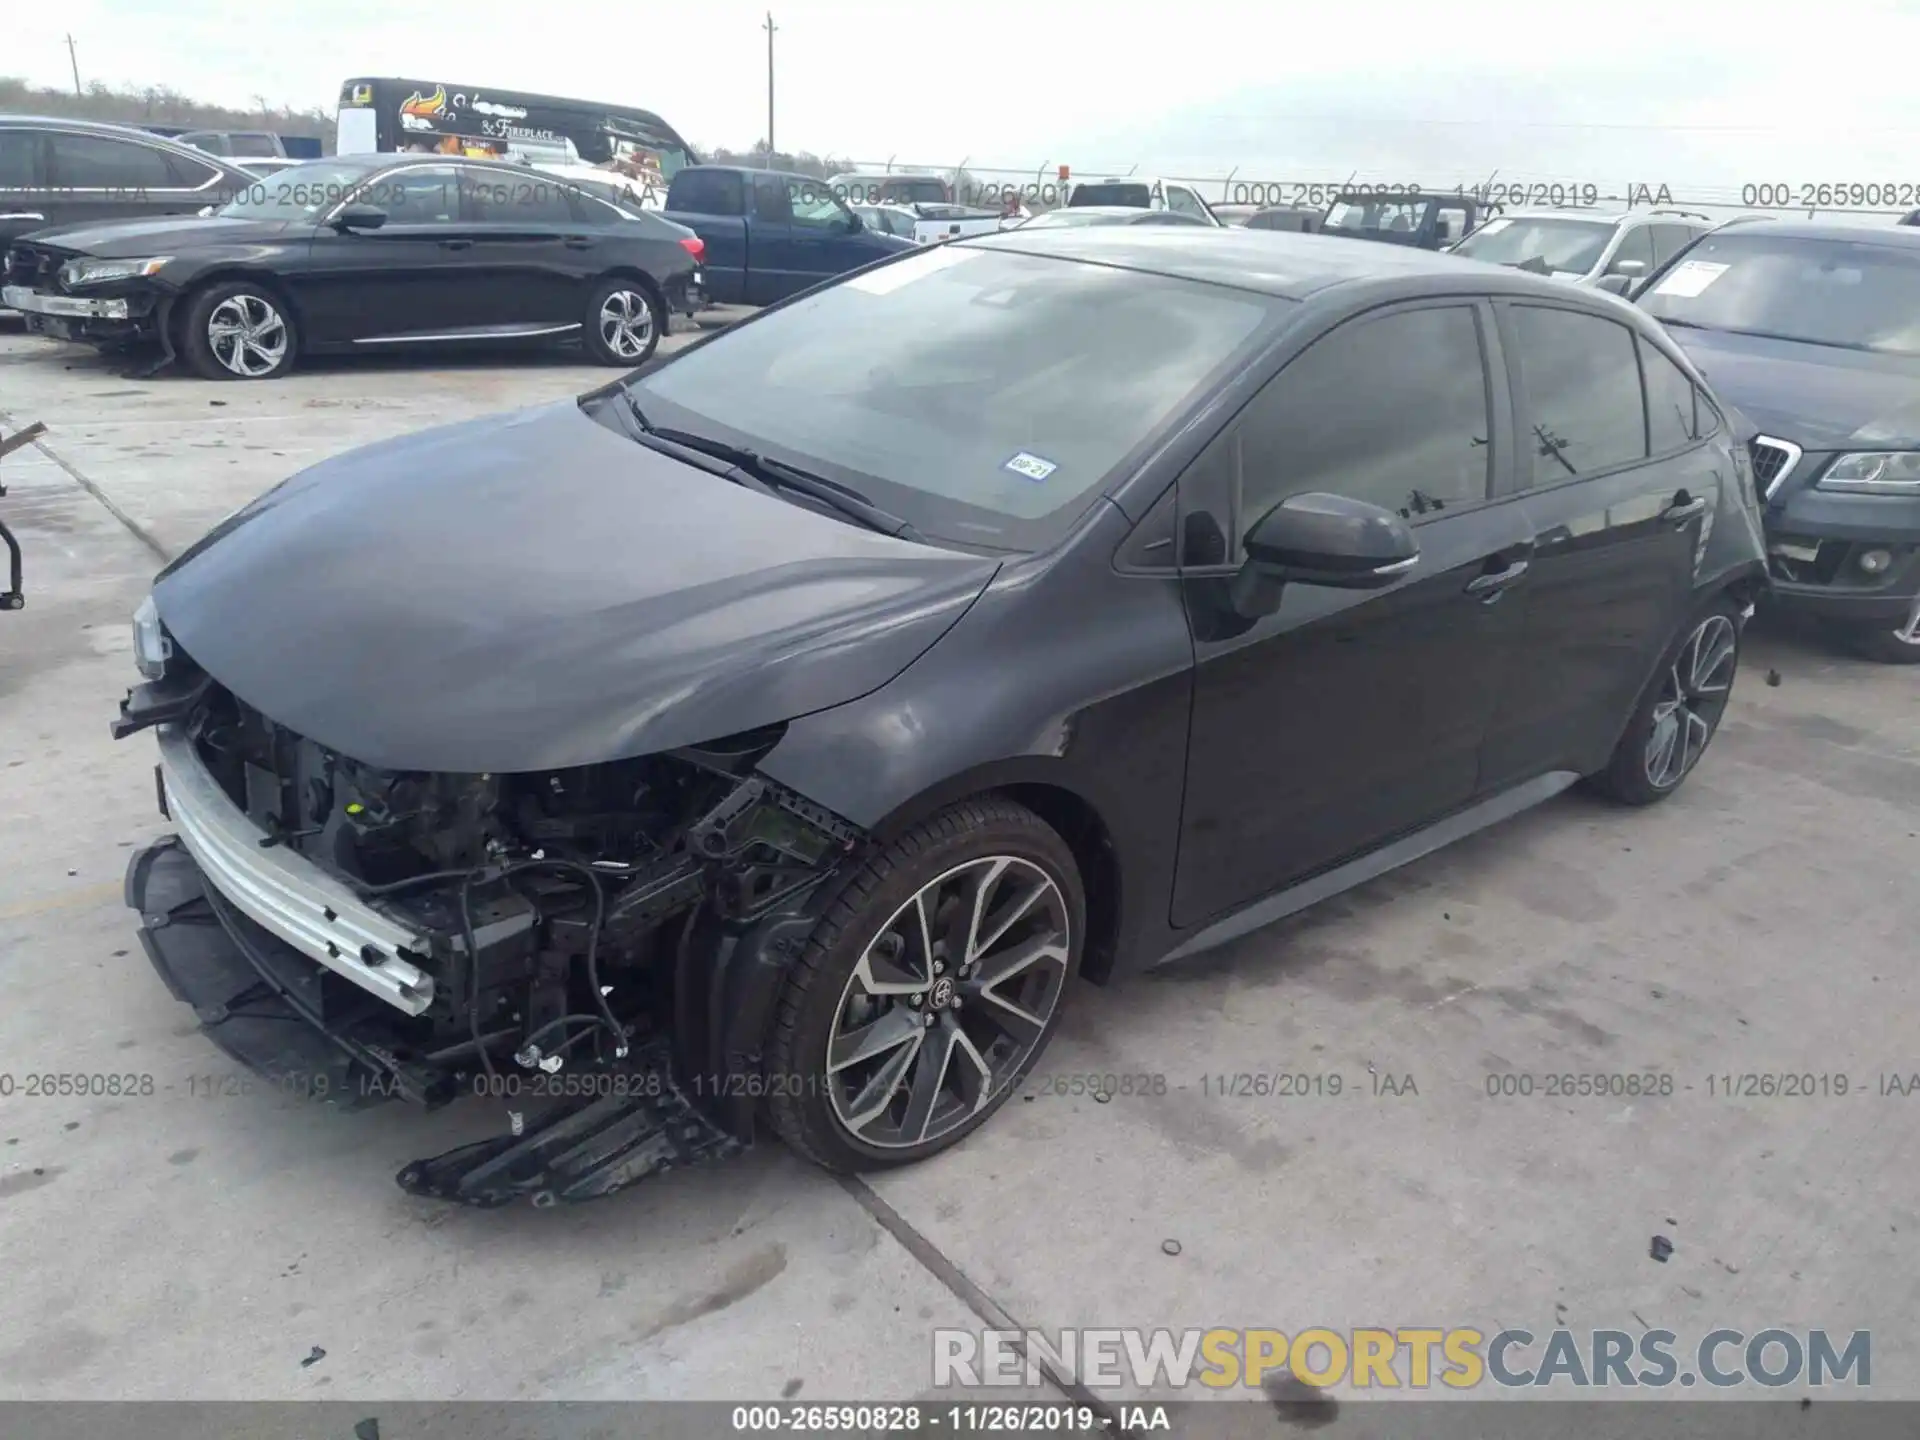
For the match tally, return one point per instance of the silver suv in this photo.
(1582, 247)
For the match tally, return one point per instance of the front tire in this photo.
(1889, 644)
(930, 986)
(625, 321)
(236, 330)
(1680, 712)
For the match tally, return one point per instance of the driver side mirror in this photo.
(1621, 285)
(360, 217)
(1320, 539)
(1632, 269)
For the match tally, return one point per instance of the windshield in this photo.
(983, 395)
(1394, 215)
(1558, 244)
(301, 192)
(1852, 293)
(1112, 192)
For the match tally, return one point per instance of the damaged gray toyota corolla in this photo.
(775, 735)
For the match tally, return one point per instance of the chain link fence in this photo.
(1042, 187)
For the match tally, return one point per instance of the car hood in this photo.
(536, 591)
(1818, 396)
(161, 235)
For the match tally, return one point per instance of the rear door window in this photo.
(424, 195)
(533, 199)
(771, 200)
(1581, 381)
(706, 192)
(1671, 424)
(101, 162)
(19, 159)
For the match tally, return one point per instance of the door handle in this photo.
(1683, 507)
(456, 244)
(580, 242)
(1492, 585)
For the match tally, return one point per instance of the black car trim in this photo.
(1279, 904)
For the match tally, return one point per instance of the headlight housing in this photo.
(1875, 472)
(151, 647)
(99, 272)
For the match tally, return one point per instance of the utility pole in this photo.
(74, 60)
(769, 27)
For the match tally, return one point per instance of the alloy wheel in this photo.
(947, 1002)
(247, 335)
(626, 324)
(1693, 697)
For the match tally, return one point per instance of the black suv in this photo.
(1023, 608)
(73, 172)
(1813, 332)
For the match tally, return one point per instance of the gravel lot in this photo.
(183, 1245)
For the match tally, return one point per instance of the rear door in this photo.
(95, 177)
(1617, 520)
(530, 262)
(712, 203)
(775, 272)
(24, 194)
(1348, 717)
(409, 279)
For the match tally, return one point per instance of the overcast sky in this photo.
(1696, 94)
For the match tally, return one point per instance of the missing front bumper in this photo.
(260, 1002)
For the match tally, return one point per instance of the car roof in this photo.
(127, 132)
(1612, 218)
(1288, 264)
(1904, 238)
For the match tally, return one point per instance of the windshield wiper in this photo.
(772, 474)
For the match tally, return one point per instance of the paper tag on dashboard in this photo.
(1031, 466)
(1689, 278)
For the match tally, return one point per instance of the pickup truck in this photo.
(769, 235)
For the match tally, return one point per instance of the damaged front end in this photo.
(600, 947)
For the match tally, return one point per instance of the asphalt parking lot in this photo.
(197, 1243)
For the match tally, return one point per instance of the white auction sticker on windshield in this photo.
(888, 278)
(1031, 466)
(1690, 277)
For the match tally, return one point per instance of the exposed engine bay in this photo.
(580, 934)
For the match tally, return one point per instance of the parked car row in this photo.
(360, 252)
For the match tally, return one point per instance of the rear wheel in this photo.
(1889, 644)
(932, 983)
(1680, 713)
(236, 330)
(624, 322)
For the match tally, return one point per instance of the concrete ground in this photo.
(194, 1243)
